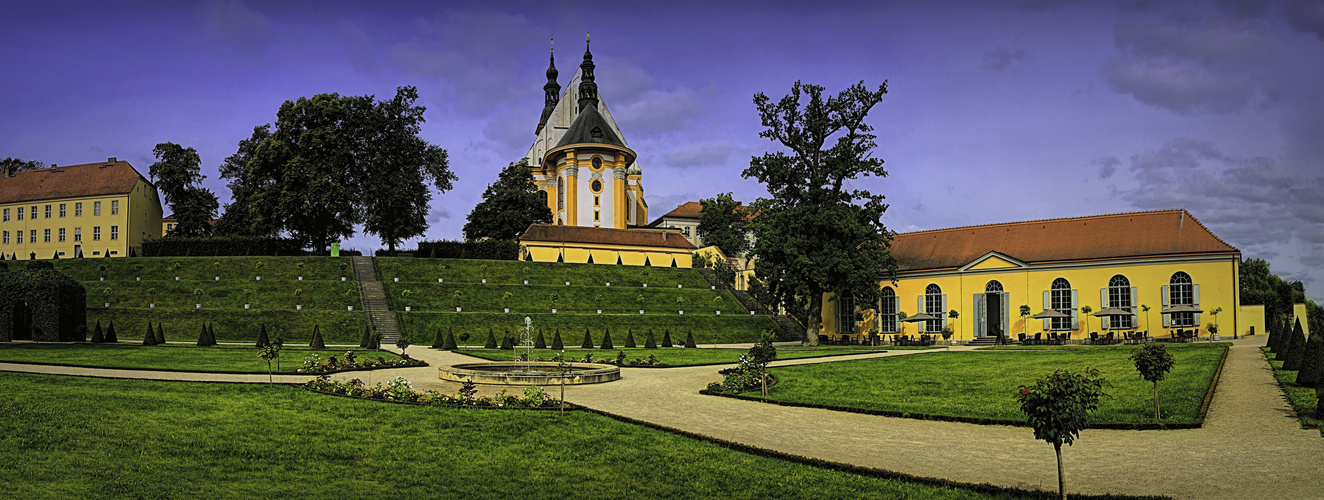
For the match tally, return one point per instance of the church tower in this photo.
(588, 174)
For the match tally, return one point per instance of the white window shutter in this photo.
(1195, 297)
(1167, 296)
(1048, 304)
(943, 313)
(1075, 314)
(919, 308)
(1135, 309)
(980, 318)
(1006, 311)
(1103, 304)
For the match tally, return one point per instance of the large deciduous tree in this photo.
(722, 223)
(816, 234)
(238, 219)
(176, 173)
(509, 205)
(11, 164)
(333, 162)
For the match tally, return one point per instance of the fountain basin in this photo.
(529, 373)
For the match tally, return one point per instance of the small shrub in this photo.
(110, 333)
(366, 339)
(375, 340)
(317, 342)
(1295, 349)
(262, 339)
(588, 341)
(666, 338)
(507, 341)
(650, 343)
(438, 340)
(689, 340)
(160, 334)
(150, 338)
(539, 342)
(606, 342)
(556, 341)
(491, 340)
(97, 335)
(450, 341)
(205, 337)
(211, 334)
(629, 339)
(1312, 362)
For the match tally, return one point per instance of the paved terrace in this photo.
(1251, 445)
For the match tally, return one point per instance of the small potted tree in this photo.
(248, 297)
(680, 304)
(216, 270)
(597, 299)
(151, 298)
(404, 294)
(718, 303)
(105, 292)
(455, 299)
(300, 264)
(298, 293)
(505, 301)
(1213, 329)
(947, 331)
(640, 299)
(257, 274)
(553, 298)
(197, 298)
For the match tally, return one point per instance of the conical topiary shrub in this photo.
(491, 340)
(450, 341)
(160, 334)
(629, 339)
(262, 340)
(439, 340)
(317, 342)
(539, 342)
(110, 333)
(97, 335)
(689, 339)
(375, 340)
(1284, 336)
(666, 338)
(650, 343)
(205, 338)
(1296, 349)
(150, 338)
(1272, 342)
(588, 341)
(556, 341)
(1312, 362)
(606, 341)
(366, 340)
(211, 333)
(507, 341)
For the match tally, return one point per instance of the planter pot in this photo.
(553, 310)
(301, 278)
(137, 278)
(567, 283)
(298, 307)
(599, 310)
(218, 278)
(719, 313)
(108, 304)
(678, 285)
(645, 285)
(397, 280)
(406, 308)
(457, 309)
(1213, 337)
(751, 313)
(342, 278)
(151, 306)
(714, 287)
(641, 311)
(526, 282)
(176, 278)
(608, 283)
(506, 309)
(349, 308)
(197, 306)
(438, 280)
(682, 313)
(245, 306)
(953, 341)
(484, 281)
(103, 278)
(257, 278)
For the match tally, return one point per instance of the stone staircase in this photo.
(790, 328)
(383, 319)
(983, 342)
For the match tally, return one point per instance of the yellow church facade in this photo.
(103, 209)
(1143, 264)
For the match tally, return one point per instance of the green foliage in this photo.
(366, 339)
(556, 341)
(507, 341)
(238, 219)
(150, 337)
(160, 333)
(439, 339)
(177, 173)
(650, 343)
(1295, 352)
(1058, 408)
(508, 207)
(539, 342)
(110, 334)
(317, 342)
(11, 164)
(41, 304)
(97, 335)
(262, 339)
(206, 337)
(588, 341)
(1312, 362)
(666, 338)
(722, 223)
(689, 340)
(1260, 286)
(375, 340)
(450, 341)
(491, 340)
(209, 246)
(482, 249)
(629, 339)
(813, 214)
(402, 342)
(606, 341)
(1153, 361)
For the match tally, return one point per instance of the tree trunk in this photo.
(1061, 473)
(815, 322)
(1156, 409)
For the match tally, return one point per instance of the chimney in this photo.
(110, 161)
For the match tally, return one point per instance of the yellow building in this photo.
(591, 245)
(581, 164)
(90, 210)
(1132, 261)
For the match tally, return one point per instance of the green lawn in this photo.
(1302, 399)
(708, 328)
(175, 357)
(673, 356)
(70, 437)
(983, 384)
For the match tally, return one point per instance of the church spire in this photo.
(551, 91)
(588, 89)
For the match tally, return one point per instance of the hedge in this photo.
(482, 249)
(212, 246)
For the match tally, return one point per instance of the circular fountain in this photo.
(540, 373)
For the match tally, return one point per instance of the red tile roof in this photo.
(690, 210)
(658, 238)
(89, 179)
(1127, 235)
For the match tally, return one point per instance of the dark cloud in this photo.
(707, 154)
(1245, 9)
(1306, 15)
(1000, 58)
(476, 58)
(1107, 166)
(438, 214)
(1192, 65)
(239, 25)
(658, 111)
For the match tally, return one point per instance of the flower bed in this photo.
(313, 363)
(743, 377)
(400, 390)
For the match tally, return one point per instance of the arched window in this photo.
(560, 195)
(933, 305)
(542, 195)
(1119, 297)
(1060, 301)
(993, 286)
(1181, 292)
(887, 311)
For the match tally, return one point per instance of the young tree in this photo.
(1153, 362)
(238, 219)
(1058, 408)
(177, 173)
(509, 206)
(814, 215)
(268, 353)
(760, 355)
(722, 223)
(403, 343)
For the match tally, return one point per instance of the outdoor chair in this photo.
(1111, 339)
(1038, 338)
(1021, 337)
(1065, 338)
(1094, 338)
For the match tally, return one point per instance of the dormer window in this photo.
(596, 133)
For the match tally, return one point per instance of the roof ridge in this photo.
(1060, 219)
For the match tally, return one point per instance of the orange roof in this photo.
(89, 179)
(1127, 235)
(658, 238)
(689, 209)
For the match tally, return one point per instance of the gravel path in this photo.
(1251, 445)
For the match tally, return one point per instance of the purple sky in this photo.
(1027, 110)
